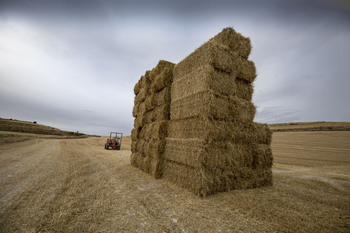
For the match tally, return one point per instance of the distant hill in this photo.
(17, 131)
(34, 128)
(310, 126)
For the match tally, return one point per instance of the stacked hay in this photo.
(151, 112)
(213, 144)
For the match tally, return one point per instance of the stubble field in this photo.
(74, 185)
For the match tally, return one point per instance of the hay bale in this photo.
(156, 130)
(135, 110)
(158, 99)
(228, 155)
(155, 148)
(149, 102)
(141, 96)
(210, 53)
(219, 57)
(182, 175)
(140, 146)
(139, 122)
(133, 146)
(207, 78)
(145, 81)
(137, 87)
(244, 89)
(184, 151)
(156, 168)
(157, 114)
(207, 129)
(217, 154)
(203, 181)
(135, 134)
(235, 41)
(164, 79)
(215, 106)
(202, 79)
(160, 67)
(211, 143)
(162, 97)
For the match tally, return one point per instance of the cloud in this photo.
(74, 63)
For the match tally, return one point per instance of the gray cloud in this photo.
(58, 58)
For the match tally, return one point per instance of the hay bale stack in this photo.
(213, 144)
(152, 113)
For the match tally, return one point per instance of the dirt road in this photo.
(75, 185)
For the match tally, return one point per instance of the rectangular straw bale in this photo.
(157, 114)
(210, 53)
(156, 130)
(198, 127)
(148, 118)
(137, 87)
(244, 89)
(206, 77)
(145, 81)
(141, 96)
(262, 156)
(135, 110)
(234, 40)
(140, 146)
(162, 97)
(142, 108)
(135, 134)
(149, 105)
(203, 78)
(184, 151)
(162, 80)
(217, 155)
(156, 168)
(158, 99)
(221, 155)
(182, 175)
(155, 148)
(203, 128)
(219, 107)
(262, 177)
(203, 181)
(133, 146)
(220, 58)
(160, 67)
(161, 113)
(139, 122)
(246, 69)
(145, 164)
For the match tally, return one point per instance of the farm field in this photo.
(74, 185)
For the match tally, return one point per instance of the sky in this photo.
(72, 64)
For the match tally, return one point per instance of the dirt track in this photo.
(76, 186)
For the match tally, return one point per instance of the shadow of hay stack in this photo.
(194, 120)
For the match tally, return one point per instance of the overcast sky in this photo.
(73, 64)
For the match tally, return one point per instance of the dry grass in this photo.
(76, 186)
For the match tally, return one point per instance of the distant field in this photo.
(61, 185)
(310, 126)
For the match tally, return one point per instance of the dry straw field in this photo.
(74, 185)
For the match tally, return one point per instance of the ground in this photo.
(74, 185)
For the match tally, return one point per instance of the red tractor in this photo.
(114, 142)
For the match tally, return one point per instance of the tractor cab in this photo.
(114, 141)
